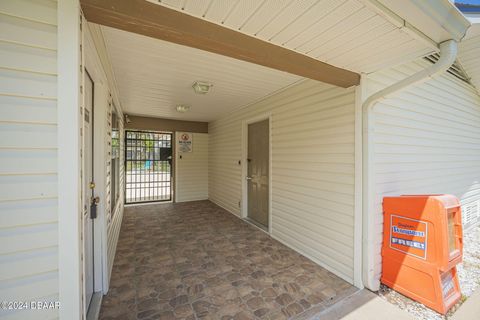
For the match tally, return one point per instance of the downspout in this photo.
(448, 53)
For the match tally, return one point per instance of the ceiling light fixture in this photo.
(202, 87)
(182, 108)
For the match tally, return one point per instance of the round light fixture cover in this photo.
(202, 87)
(182, 108)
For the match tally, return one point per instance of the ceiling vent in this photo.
(455, 70)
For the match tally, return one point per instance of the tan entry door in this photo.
(258, 172)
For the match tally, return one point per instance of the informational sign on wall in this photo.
(185, 142)
(409, 236)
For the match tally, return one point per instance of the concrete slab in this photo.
(470, 309)
(363, 305)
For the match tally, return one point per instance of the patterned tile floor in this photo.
(197, 261)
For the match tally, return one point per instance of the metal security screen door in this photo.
(148, 164)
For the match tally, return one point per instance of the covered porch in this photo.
(196, 260)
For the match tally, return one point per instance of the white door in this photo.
(88, 192)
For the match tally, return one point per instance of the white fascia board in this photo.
(439, 20)
(474, 30)
(474, 20)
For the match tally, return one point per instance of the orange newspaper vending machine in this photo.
(422, 244)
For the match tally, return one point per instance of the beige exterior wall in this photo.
(191, 170)
(29, 230)
(28, 155)
(312, 132)
(105, 102)
(427, 140)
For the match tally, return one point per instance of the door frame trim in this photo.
(244, 200)
(100, 236)
(92, 191)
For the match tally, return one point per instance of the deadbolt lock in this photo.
(92, 185)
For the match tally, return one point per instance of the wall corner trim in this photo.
(360, 92)
(69, 164)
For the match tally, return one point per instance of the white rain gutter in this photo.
(448, 54)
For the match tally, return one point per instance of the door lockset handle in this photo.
(249, 178)
(93, 207)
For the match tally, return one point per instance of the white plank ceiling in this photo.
(153, 76)
(345, 33)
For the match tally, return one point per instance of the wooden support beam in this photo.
(157, 21)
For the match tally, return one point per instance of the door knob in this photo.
(249, 178)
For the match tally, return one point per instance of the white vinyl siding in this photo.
(192, 170)
(28, 155)
(427, 140)
(312, 169)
